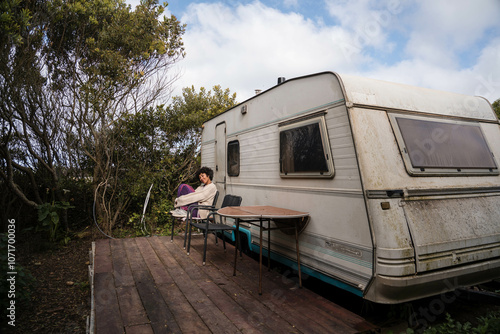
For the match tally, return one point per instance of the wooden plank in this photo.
(189, 321)
(134, 256)
(162, 320)
(320, 309)
(216, 321)
(274, 300)
(243, 309)
(121, 267)
(238, 309)
(131, 308)
(108, 319)
(140, 329)
(169, 291)
(153, 263)
(102, 247)
(102, 257)
(162, 290)
(246, 312)
(227, 306)
(306, 303)
(307, 314)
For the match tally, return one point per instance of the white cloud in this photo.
(487, 72)
(247, 47)
(367, 21)
(441, 32)
(481, 79)
(440, 35)
(437, 44)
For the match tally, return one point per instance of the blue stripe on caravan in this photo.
(293, 264)
(230, 235)
(306, 270)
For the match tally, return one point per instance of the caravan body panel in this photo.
(378, 227)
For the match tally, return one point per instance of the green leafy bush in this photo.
(48, 218)
(489, 324)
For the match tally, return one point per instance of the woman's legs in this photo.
(185, 189)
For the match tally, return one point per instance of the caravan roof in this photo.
(379, 94)
(389, 95)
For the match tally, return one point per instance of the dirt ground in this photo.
(60, 297)
(60, 300)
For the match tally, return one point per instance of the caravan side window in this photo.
(433, 146)
(233, 158)
(305, 149)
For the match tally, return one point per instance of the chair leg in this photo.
(186, 231)
(223, 240)
(189, 240)
(205, 248)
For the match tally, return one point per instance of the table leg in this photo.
(298, 252)
(236, 242)
(260, 259)
(269, 245)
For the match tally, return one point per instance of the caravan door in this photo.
(220, 158)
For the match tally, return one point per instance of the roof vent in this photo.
(258, 91)
(243, 109)
(281, 80)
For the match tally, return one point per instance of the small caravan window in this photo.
(304, 149)
(434, 146)
(233, 158)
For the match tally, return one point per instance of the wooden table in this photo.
(261, 214)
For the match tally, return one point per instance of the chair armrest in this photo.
(206, 207)
(203, 207)
(200, 207)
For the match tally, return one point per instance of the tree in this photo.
(69, 71)
(188, 112)
(161, 146)
(29, 130)
(496, 107)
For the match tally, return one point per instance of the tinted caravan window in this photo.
(304, 149)
(233, 158)
(431, 146)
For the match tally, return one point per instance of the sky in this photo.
(450, 45)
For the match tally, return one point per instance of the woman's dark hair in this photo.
(206, 170)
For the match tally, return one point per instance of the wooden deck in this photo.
(150, 285)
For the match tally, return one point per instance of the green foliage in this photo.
(78, 192)
(115, 46)
(70, 72)
(49, 222)
(84, 286)
(13, 19)
(194, 108)
(157, 220)
(496, 107)
(79, 85)
(161, 146)
(489, 324)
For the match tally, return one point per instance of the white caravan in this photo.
(402, 183)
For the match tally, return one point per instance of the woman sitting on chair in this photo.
(203, 195)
